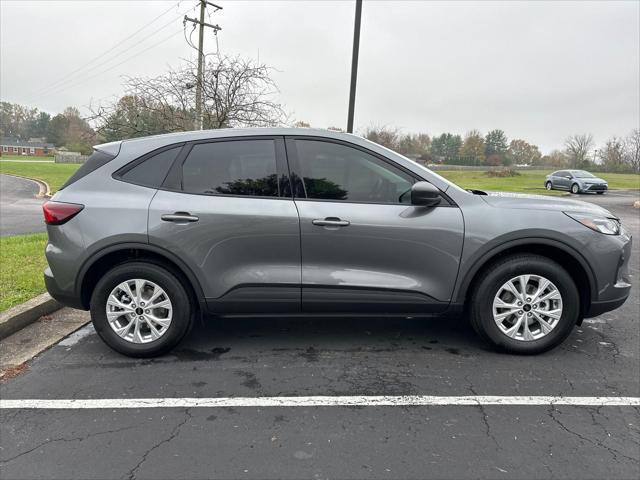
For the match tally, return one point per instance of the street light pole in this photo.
(354, 65)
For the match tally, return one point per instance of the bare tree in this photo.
(577, 148)
(612, 155)
(632, 150)
(236, 93)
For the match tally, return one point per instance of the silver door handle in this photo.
(330, 222)
(179, 217)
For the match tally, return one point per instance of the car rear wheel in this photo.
(575, 188)
(141, 309)
(548, 186)
(525, 304)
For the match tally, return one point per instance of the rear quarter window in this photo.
(95, 161)
(151, 169)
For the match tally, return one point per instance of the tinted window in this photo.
(152, 171)
(243, 167)
(561, 173)
(95, 161)
(336, 172)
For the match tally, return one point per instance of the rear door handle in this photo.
(179, 217)
(331, 222)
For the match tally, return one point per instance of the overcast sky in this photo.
(539, 71)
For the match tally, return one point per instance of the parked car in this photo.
(151, 233)
(576, 181)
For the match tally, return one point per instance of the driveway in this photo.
(244, 360)
(20, 210)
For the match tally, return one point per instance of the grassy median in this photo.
(22, 262)
(55, 174)
(528, 181)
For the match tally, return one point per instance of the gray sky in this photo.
(539, 71)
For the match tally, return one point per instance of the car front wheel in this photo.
(575, 188)
(548, 186)
(141, 309)
(525, 304)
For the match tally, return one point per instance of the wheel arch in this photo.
(561, 253)
(108, 257)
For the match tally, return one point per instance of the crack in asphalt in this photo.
(65, 440)
(174, 433)
(614, 453)
(483, 411)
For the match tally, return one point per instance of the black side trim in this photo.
(247, 300)
(598, 308)
(94, 162)
(368, 300)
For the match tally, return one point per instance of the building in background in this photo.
(36, 147)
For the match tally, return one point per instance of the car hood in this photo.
(541, 202)
(591, 180)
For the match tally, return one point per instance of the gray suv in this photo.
(152, 233)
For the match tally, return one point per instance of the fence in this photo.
(70, 157)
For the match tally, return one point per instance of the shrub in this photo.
(504, 172)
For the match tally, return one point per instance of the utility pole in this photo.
(199, 121)
(354, 65)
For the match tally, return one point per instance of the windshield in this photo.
(582, 174)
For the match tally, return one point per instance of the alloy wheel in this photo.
(527, 307)
(139, 311)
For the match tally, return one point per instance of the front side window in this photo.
(333, 171)
(238, 167)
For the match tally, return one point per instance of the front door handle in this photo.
(179, 217)
(331, 222)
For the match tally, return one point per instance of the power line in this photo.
(63, 88)
(82, 67)
(54, 88)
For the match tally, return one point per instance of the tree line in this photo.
(618, 154)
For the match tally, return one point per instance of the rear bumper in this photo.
(60, 295)
(598, 308)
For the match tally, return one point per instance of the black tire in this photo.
(548, 186)
(600, 193)
(575, 189)
(481, 308)
(182, 308)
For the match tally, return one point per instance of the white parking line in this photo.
(316, 401)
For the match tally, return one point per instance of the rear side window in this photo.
(238, 167)
(95, 161)
(152, 171)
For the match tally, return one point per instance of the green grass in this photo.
(529, 181)
(26, 158)
(55, 174)
(22, 262)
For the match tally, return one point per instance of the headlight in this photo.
(606, 225)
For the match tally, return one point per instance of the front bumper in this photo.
(597, 187)
(615, 290)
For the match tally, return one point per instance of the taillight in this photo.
(57, 213)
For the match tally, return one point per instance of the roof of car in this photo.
(234, 132)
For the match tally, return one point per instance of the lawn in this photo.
(55, 174)
(22, 262)
(529, 181)
(26, 158)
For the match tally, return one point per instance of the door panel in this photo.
(236, 244)
(389, 259)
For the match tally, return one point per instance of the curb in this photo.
(26, 313)
(44, 188)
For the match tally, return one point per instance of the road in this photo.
(20, 210)
(334, 357)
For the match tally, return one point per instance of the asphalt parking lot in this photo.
(20, 210)
(251, 358)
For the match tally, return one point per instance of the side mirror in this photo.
(425, 194)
